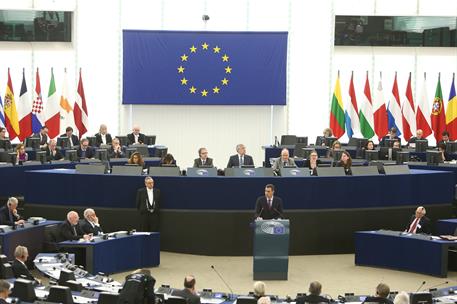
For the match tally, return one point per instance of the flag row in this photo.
(26, 115)
(376, 115)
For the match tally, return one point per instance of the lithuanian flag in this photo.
(336, 111)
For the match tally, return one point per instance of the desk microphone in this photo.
(222, 279)
(420, 286)
(440, 284)
(261, 210)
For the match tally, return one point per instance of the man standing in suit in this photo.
(69, 230)
(419, 223)
(20, 270)
(90, 224)
(4, 291)
(73, 140)
(203, 160)
(9, 215)
(136, 137)
(189, 292)
(103, 137)
(84, 150)
(43, 136)
(283, 161)
(148, 204)
(240, 159)
(269, 206)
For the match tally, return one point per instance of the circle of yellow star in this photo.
(181, 69)
(225, 58)
(193, 49)
(193, 90)
(216, 49)
(228, 70)
(216, 90)
(184, 57)
(205, 46)
(204, 93)
(184, 81)
(225, 81)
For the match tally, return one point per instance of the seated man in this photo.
(52, 153)
(5, 143)
(203, 160)
(391, 135)
(103, 137)
(84, 150)
(72, 139)
(90, 224)
(412, 140)
(138, 288)
(43, 136)
(314, 296)
(444, 138)
(189, 292)
(136, 137)
(419, 223)
(283, 161)
(9, 215)
(4, 291)
(241, 158)
(115, 151)
(382, 294)
(20, 270)
(69, 230)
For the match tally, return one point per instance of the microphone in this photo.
(277, 211)
(260, 212)
(420, 286)
(438, 285)
(222, 279)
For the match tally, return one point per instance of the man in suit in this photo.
(52, 153)
(412, 140)
(73, 139)
(136, 137)
(103, 137)
(5, 143)
(283, 161)
(9, 215)
(84, 150)
(240, 159)
(268, 207)
(20, 270)
(189, 292)
(69, 230)
(392, 135)
(444, 138)
(203, 160)
(314, 296)
(43, 136)
(90, 224)
(419, 223)
(148, 204)
(138, 288)
(4, 291)
(382, 295)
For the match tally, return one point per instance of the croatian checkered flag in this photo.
(38, 118)
(2, 114)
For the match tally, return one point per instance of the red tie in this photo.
(412, 229)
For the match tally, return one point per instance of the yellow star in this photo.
(225, 81)
(228, 70)
(216, 90)
(193, 90)
(193, 49)
(216, 49)
(205, 46)
(181, 69)
(225, 58)
(184, 57)
(204, 93)
(184, 81)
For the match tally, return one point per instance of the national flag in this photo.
(336, 111)
(2, 114)
(65, 107)
(52, 109)
(80, 109)
(438, 116)
(38, 118)
(366, 112)
(380, 112)
(24, 109)
(352, 116)
(11, 116)
(407, 110)
(395, 117)
(423, 112)
(451, 112)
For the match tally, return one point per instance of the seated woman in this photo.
(136, 159)
(368, 147)
(320, 140)
(168, 161)
(444, 155)
(312, 163)
(345, 162)
(115, 151)
(335, 147)
(21, 155)
(4, 141)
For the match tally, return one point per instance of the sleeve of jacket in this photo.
(157, 198)
(139, 198)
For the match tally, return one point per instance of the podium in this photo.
(271, 249)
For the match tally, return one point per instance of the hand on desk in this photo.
(20, 222)
(258, 218)
(88, 237)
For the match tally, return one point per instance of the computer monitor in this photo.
(320, 140)
(150, 140)
(164, 171)
(421, 298)
(329, 141)
(160, 152)
(101, 154)
(302, 140)
(6, 271)
(287, 140)
(358, 142)
(66, 275)
(107, 298)
(123, 140)
(41, 156)
(337, 155)
(60, 294)
(24, 290)
(421, 145)
(91, 140)
(32, 142)
(246, 300)
(389, 142)
(71, 155)
(451, 146)
(371, 155)
(142, 149)
(126, 170)
(299, 150)
(388, 153)
(433, 157)
(63, 142)
(12, 157)
(402, 157)
(175, 300)
(129, 152)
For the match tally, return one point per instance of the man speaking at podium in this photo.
(269, 206)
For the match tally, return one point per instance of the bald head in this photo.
(73, 217)
(419, 133)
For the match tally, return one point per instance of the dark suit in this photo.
(67, 232)
(115, 154)
(98, 139)
(49, 156)
(87, 228)
(412, 140)
(137, 289)
(307, 164)
(263, 210)
(5, 144)
(21, 271)
(149, 211)
(382, 142)
(234, 161)
(188, 295)
(43, 138)
(7, 217)
(90, 152)
(423, 226)
(141, 138)
(378, 300)
(311, 299)
(198, 163)
(74, 139)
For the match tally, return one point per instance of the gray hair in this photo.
(148, 178)
(401, 298)
(4, 286)
(88, 211)
(12, 200)
(259, 288)
(69, 214)
(239, 146)
(20, 251)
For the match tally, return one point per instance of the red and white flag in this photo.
(409, 116)
(380, 112)
(423, 112)
(80, 109)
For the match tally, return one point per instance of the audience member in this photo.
(336, 146)
(345, 162)
(90, 223)
(328, 132)
(419, 223)
(203, 160)
(312, 162)
(445, 156)
(5, 143)
(103, 137)
(259, 289)
(444, 138)
(412, 140)
(52, 153)
(138, 288)
(20, 270)
(72, 139)
(401, 298)
(4, 291)
(84, 150)
(189, 292)
(168, 161)
(283, 161)
(391, 135)
(241, 158)
(115, 151)
(21, 155)
(314, 296)
(136, 159)
(9, 215)
(148, 205)
(69, 230)
(382, 294)
(43, 136)
(136, 137)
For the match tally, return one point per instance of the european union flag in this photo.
(204, 68)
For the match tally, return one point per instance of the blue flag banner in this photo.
(204, 68)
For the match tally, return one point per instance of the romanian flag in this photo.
(11, 116)
(336, 111)
(438, 117)
(451, 112)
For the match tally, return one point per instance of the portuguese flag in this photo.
(336, 111)
(438, 116)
